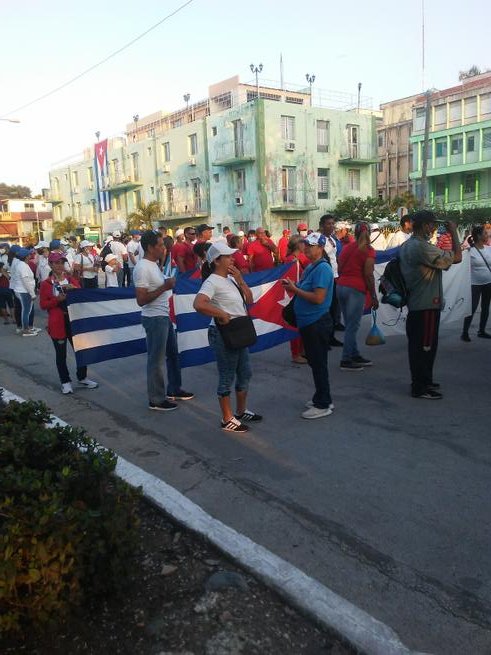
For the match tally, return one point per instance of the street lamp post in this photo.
(187, 97)
(256, 70)
(310, 79)
(136, 118)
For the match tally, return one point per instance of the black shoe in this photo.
(166, 406)
(350, 366)
(249, 416)
(434, 385)
(339, 327)
(484, 335)
(429, 394)
(234, 426)
(465, 337)
(361, 360)
(335, 342)
(180, 395)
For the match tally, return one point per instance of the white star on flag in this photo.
(285, 301)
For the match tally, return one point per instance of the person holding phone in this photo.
(52, 298)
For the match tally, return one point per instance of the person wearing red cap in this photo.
(52, 298)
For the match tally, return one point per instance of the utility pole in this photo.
(424, 166)
(256, 70)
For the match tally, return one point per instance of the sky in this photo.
(46, 43)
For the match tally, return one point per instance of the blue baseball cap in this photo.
(15, 248)
(55, 243)
(315, 239)
(22, 253)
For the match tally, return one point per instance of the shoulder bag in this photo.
(238, 332)
(484, 259)
(288, 311)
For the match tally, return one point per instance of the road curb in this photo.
(362, 631)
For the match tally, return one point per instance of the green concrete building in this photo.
(459, 146)
(233, 159)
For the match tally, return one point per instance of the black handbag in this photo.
(288, 313)
(238, 332)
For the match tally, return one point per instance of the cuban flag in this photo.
(101, 167)
(106, 323)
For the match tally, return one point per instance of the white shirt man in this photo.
(119, 249)
(134, 252)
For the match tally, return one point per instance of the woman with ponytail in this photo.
(354, 284)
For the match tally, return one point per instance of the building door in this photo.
(352, 141)
(288, 184)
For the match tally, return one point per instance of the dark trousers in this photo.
(60, 349)
(17, 312)
(480, 292)
(335, 309)
(89, 282)
(126, 275)
(422, 336)
(316, 338)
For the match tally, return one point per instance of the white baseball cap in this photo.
(109, 258)
(179, 232)
(41, 244)
(240, 233)
(218, 249)
(85, 243)
(116, 234)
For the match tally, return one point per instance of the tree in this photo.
(406, 199)
(363, 209)
(14, 191)
(471, 72)
(144, 216)
(64, 228)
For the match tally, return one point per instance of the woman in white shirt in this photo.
(24, 287)
(480, 256)
(85, 266)
(224, 296)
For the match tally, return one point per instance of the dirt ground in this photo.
(183, 598)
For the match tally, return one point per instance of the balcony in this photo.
(232, 154)
(293, 200)
(54, 198)
(358, 154)
(183, 206)
(121, 182)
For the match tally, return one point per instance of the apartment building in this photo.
(458, 172)
(24, 220)
(233, 159)
(394, 148)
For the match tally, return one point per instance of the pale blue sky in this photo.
(46, 42)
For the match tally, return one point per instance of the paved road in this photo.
(387, 501)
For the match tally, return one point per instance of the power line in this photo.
(99, 63)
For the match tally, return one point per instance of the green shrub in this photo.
(67, 525)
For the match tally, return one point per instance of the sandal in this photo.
(233, 425)
(249, 416)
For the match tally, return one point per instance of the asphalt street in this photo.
(387, 501)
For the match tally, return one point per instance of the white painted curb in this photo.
(359, 629)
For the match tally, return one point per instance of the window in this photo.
(149, 151)
(293, 100)
(441, 148)
(166, 151)
(439, 187)
(455, 112)
(193, 144)
(238, 138)
(214, 131)
(470, 109)
(440, 115)
(419, 117)
(152, 190)
(381, 166)
(92, 211)
(456, 145)
(169, 197)
(90, 175)
(216, 177)
(288, 184)
(430, 150)
(485, 106)
(471, 143)
(28, 206)
(354, 179)
(288, 128)
(240, 180)
(352, 137)
(470, 183)
(323, 183)
(137, 199)
(486, 139)
(381, 140)
(196, 185)
(116, 201)
(136, 169)
(75, 178)
(322, 136)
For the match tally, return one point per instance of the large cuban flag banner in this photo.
(101, 167)
(106, 323)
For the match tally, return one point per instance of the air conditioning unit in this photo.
(91, 186)
(76, 189)
(192, 161)
(290, 145)
(239, 200)
(166, 168)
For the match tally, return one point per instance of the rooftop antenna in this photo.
(281, 72)
(423, 43)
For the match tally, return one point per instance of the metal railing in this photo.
(293, 197)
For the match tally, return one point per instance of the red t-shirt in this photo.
(263, 257)
(282, 248)
(241, 262)
(185, 250)
(351, 266)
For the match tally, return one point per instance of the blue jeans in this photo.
(27, 310)
(316, 338)
(352, 303)
(161, 343)
(232, 364)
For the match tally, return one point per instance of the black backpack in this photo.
(105, 251)
(393, 286)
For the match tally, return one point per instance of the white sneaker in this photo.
(18, 330)
(66, 388)
(309, 403)
(29, 333)
(88, 384)
(316, 412)
(35, 329)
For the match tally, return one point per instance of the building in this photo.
(233, 159)
(458, 174)
(394, 148)
(25, 220)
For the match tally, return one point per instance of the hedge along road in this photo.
(385, 502)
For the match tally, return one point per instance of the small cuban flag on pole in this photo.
(101, 167)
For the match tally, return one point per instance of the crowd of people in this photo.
(331, 282)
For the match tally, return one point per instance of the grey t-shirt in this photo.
(422, 265)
